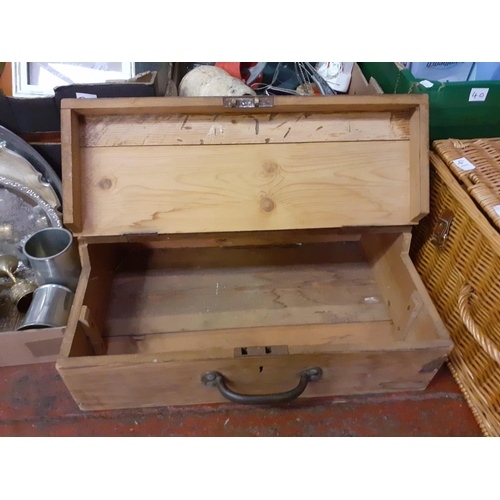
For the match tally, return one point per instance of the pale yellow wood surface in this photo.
(244, 187)
(419, 162)
(253, 238)
(171, 301)
(156, 382)
(401, 286)
(210, 105)
(164, 369)
(71, 170)
(75, 339)
(92, 331)
(177, 166)
(299, 339)
(179, 130)
(424, 160)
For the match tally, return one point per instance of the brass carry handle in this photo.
(470, 324)
(216, 379)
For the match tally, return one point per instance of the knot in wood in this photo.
(267, 204)
(270, 169)
(105, 183)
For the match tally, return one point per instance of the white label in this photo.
(478, 94)
(464, 164)
(496, 208)
(427, 84)
(82, 95)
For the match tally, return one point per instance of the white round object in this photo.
(205, 81)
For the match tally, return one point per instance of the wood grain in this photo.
(299, 339)
(71, 170)
(394, 280)
(140, 258)
(252, 238)
(424, 160)
(91, 331)
(244, 187)
(181, 130)
(148, 380)
(212, 105)
(93, 291)
(419, 162)
(169, 301)
(401, 286)
(190, 169)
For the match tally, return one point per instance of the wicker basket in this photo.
(483, 181)
(456, 250)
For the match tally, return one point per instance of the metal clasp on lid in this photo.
(442, 228)
(248, 102)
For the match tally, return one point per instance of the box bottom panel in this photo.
(165, 300)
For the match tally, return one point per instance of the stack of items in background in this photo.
(455, 71)
(39, 264)
(278, 78)
(464, 98)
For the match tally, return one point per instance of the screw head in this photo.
(315, 373)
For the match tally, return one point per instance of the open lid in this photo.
(213, 164)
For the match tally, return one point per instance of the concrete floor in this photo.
(34, 402)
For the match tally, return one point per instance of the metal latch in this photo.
(248, 102)
(442, 228)
(274, 350)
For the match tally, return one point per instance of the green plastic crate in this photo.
(451, 114)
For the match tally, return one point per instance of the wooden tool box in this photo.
(250, 249)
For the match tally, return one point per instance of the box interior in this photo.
(145, 297)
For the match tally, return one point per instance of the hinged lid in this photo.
(194, 165)
(476, 164)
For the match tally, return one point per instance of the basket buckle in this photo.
(442, 228)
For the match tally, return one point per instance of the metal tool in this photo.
(21, 294)
(49, 308)
(306, 73)
(16, 168)
(21, 147)
(54, 257)
(22, 213)
(8, 266)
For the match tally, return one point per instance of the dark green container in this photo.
(451, 114)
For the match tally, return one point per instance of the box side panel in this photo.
(158, 383)
(30, 346)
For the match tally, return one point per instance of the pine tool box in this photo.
(251, 249)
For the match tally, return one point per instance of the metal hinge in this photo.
(248, 102)
(442, 228)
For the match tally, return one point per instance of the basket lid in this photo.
(476, 164)
(208, 165)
